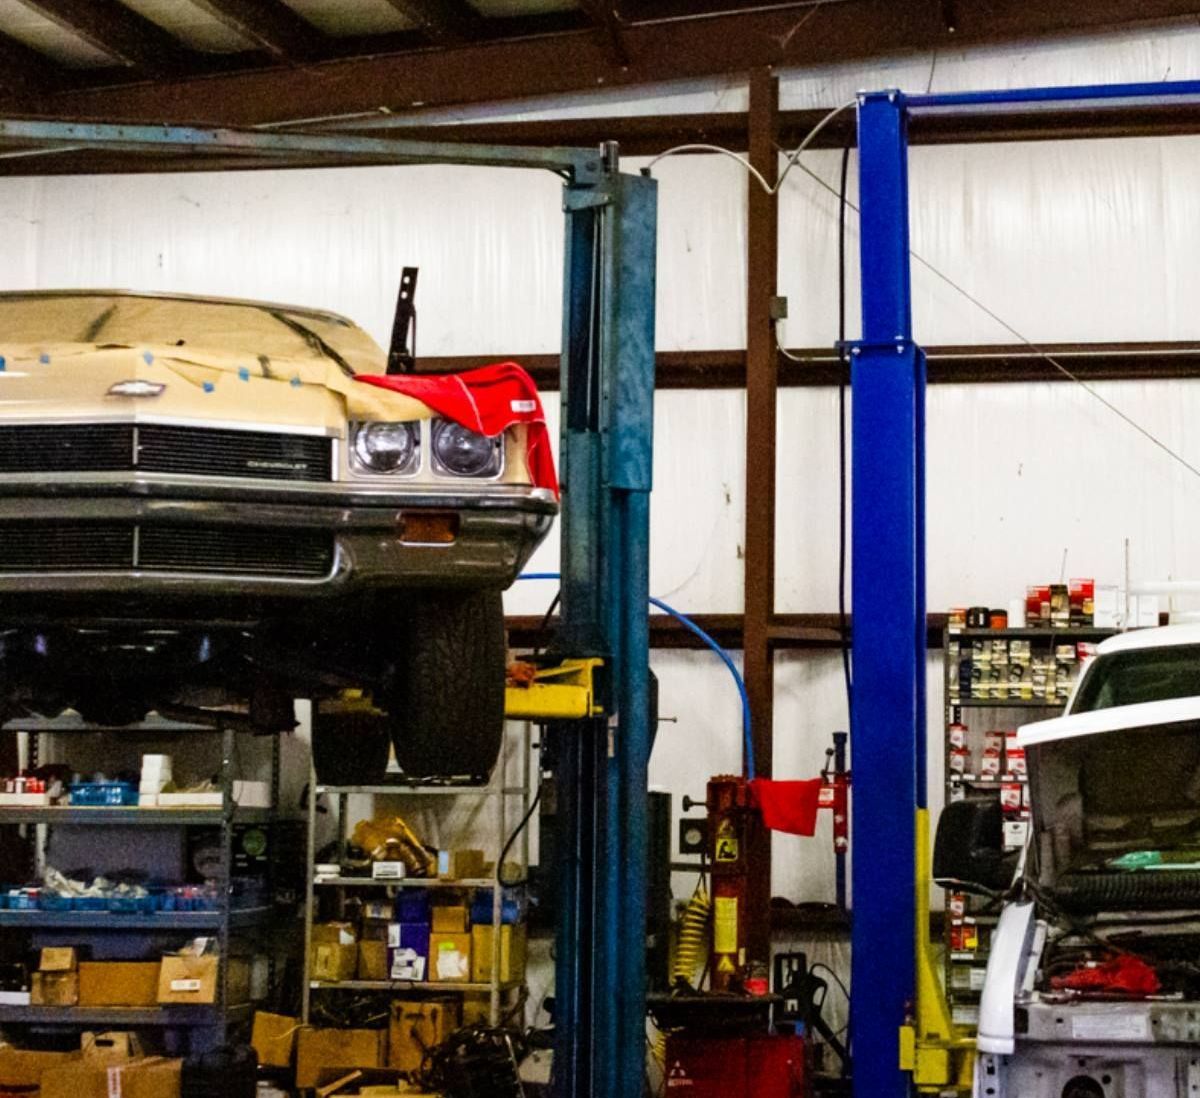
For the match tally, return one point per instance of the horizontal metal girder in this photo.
(584, 165)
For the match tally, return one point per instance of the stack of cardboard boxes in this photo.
(105, 1066)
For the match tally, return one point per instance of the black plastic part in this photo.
(348, 748)
(968, 853)
(1164, 890)
(402, 353)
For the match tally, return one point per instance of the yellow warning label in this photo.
(725, 925)
(727, 842)
(725, 965)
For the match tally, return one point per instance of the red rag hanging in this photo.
(788, 806)
(489, 400)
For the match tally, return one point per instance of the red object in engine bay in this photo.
(1123, 975)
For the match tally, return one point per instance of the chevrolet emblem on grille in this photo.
(289, 466)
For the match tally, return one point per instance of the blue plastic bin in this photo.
(104, 794)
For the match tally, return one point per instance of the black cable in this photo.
(554, 602)
(513, 838)
(843, 367)
(836, 978)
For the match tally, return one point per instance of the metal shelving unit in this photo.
(204, 1025)
(496, 791)
(964, 967)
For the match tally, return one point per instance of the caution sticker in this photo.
(727, 842)
(725, 925)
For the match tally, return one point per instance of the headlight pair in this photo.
(395, 448)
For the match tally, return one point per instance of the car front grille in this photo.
(163, 448)
(200, 550)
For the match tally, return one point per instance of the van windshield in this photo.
(1140, 675)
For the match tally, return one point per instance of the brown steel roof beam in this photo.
(272, 26)
(118, 31)
(678, 49)
(443, 22)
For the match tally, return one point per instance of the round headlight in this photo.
(463, 452)
(385, 447)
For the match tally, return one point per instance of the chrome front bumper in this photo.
(497, 532)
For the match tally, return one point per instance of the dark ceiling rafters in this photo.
(271, 25)
(443, 22)
(530, 63)
(604, 14)
(120, 32)
(25, 71)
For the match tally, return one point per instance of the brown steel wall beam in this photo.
(985, 364)
(762, 263)
(674, 49)
(445, 22)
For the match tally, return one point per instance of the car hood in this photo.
(72, 381)
(1112, 782)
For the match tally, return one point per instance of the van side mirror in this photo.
(968, 852)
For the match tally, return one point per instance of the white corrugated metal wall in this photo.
(1070, 241)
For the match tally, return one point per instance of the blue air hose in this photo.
(726, 659)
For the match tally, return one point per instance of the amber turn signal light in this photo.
(428, 527)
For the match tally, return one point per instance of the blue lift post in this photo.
(606, 457)
(888, 508)
(888, 593)
(600, 769)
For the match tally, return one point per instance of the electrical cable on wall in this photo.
(794, 161)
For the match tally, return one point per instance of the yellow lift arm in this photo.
(940, 1057)
(565, 692)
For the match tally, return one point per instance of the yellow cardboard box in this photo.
(274, 1038)
(512, 954)
(321, 1049)
(419, 1024)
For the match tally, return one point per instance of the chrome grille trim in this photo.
(114, 447)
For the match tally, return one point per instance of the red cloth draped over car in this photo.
(788, 806)
(489, 400)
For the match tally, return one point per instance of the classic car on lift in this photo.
(1092, 987)
(202, 505)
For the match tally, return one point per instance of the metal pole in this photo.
(888, 730)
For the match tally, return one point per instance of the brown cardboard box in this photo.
(331, 962)
(21, 1071)
(188, 979)
(512, 954)
(465, 865)
(320, 1049)
(476, 1008)
(150, 1077)
(274, 1038)
(334, 934)
(417, 1025)
(59, 989)
(450, 919)
(118, 983)
(58, 959)
(450, 957)
(373, 960)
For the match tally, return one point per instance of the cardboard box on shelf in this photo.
(318, 1050)
(58, 959)
(449, 919)
(21, 1072)
(372, 960)
(87, 1077)
(512, 953)
(463, 865)
(184, 979)
(58, 989)
(419, 1024)
(408, 950)
(331, 963)
(334, 934)
(450, 957)
(118, 983)
(274, 1038)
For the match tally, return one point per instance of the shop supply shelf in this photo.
(152, 725)
(396, 789)
(407, 985)
(132, 816)
(406, 882)
(122, 1016)
(104, 920)
(1063, 632)
(1005, 703)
